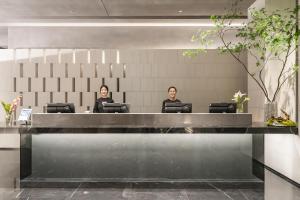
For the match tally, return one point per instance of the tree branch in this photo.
(244, 66)
(282, 69)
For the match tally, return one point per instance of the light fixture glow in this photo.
(118, 57)
(29, 55)
(44, 56)
(15, 56)
(74, 56)
(89, 56)
(103, 57)
(59, 56)
(118, 24)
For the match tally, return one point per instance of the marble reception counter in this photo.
(126, 148)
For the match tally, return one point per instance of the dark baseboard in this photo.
(278, 173)
(120, 183)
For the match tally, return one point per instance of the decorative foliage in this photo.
(240, 98)
(9, 108)
(268, 36)
(281, 121)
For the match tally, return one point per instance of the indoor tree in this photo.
(267, 36)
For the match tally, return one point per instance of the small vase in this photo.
(240, 108)
(270, 110)
(8, 119)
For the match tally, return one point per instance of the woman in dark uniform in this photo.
(98, 107)
(172, 98)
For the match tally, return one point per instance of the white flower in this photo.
(240, 97)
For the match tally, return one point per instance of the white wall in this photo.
(282, 152)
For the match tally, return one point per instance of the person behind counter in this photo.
(172, 98)
(98, 107)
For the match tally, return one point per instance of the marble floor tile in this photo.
(245, 194)
(206, 194)
(155, 194)
(97, 194)
(45, 194)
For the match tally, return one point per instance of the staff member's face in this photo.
(172, 93)
(103, 92)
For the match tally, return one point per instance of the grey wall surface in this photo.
(144, 77)
(118, 37)
(3, 37)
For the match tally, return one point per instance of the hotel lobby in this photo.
(149, 100)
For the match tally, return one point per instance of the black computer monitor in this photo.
(222, 108)
(178, 107)
(115, 108)
(60, 108)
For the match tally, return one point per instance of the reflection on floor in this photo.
(133, 194)
(275, 188)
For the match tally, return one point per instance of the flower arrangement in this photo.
(9, 109)
(281, 121)
(240, 98)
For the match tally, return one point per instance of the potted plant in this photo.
(240, 98)
(9, 109)
(268, 36)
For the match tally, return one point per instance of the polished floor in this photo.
(135, 194)
(275, 188)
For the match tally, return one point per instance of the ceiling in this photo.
(14, 9)
(111, 10)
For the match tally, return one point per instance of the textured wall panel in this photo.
(22, 84)
(118, 70)
(65, 84)
(58, 70)
(103, 70)
(51, 84)
(74, 70)
(144, 82)
(112, 84)
(37, 84)
(29, 69)
(95, 84)
(44, 69)
(88, 99)
(133, 70)
(28, 99)
(88, 70)
(96, 56)
(74, 98)
(118, 97)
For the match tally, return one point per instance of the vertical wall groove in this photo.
(51, 70)
(36, 71)
(66, 70)
(44, 84)
(29, 84)
(51, 97)
(15, 85)
(36, 99)
(58, 84)
(21, 70)
(73, 84)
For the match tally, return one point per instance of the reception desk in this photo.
(112, 149)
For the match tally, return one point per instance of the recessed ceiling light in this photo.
(180, 11)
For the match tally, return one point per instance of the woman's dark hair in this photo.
(104, 86)
(173, 88)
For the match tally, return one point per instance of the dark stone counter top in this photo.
(255, 128)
